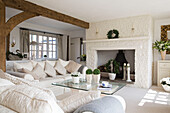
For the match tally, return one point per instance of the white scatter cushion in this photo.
(34, 63)
(51, 62)
(28, 77)
(42, 64)
(26, 99)
(26, 65)
(4, 82)
(60, 69)
(63, 62)
(50, 70)
(39, 71)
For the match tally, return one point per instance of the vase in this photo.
(163, 54)
(112, 76)
(166, 88)
(89, 78)
(75, 80)
(96, 78)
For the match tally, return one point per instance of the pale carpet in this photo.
(153, 100)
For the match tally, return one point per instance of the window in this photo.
(46, 45)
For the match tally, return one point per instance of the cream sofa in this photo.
(67, 100)
(45, 82)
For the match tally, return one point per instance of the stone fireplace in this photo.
(143, 55)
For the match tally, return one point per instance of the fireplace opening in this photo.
(120, 56)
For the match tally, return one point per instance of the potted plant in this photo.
(76, 77)
(89, 73)
(96, 76)
(162, 47)
(165, 82)
(112, 67)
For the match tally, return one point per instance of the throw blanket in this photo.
(106, 104)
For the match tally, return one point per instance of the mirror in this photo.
(165, 34)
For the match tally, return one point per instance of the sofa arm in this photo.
(84, 72)
(21, 75)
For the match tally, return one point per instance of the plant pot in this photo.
(163, 54)
(166, 88)
(89, 78)
(75, 80)
(96, 78)
(112, 76)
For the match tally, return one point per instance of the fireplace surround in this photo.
(143, 55)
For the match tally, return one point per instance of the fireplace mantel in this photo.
(117, 39)
(143, 55)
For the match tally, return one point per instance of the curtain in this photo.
(24, 41)
(60, 46)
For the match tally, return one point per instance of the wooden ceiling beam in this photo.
(33, 8)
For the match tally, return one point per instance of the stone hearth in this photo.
(143, 55)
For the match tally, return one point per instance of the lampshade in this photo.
(33, 43)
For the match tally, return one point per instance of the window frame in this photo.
(31, 33)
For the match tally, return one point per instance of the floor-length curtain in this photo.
(24, 41)
(60, 46)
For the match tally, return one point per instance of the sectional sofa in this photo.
(30, 86)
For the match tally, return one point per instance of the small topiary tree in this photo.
(89, 71)
(96, 72)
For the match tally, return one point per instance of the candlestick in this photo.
(128, 73)
(124, 71)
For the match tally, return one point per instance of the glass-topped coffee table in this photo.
(91, 87)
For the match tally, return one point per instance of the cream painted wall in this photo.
(143, 26)
(157, 36)
(78, 34)
(15, 35)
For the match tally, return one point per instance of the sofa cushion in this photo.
(26, 65)
(4, 82)
(46, 82)
(41, 63)
(34, 63)
(39, 71)
(26, 99)
(50, 70)
(51, 62)
(72, 67)
(63, 62)
(35, 75)
(60, 69)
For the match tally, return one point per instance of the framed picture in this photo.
(165, 34)
(25, 55)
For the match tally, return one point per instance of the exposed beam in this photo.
(2, 54)
(2, 13)
(33, 8)
(6, 28)
(17, 19)
(2, 38)
(8, 42)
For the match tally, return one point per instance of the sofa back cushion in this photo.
(51, 62)
(60, 68)
(26, 65)
(35, 75)
(27, 99)
(72, 67)
(39, 71)
(63, 62)
(49, 69)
